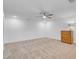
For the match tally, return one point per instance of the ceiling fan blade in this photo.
(51, 14)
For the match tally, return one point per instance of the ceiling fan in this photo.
(45, 15)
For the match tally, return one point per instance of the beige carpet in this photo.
(41, 48)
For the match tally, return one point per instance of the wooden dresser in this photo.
(67, 37)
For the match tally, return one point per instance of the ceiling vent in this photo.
(71, 1)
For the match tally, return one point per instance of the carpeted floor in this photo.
(41, 48)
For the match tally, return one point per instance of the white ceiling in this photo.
(27, 8)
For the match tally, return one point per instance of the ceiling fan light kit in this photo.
(44, 16)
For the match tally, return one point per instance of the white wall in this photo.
(16, 29)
